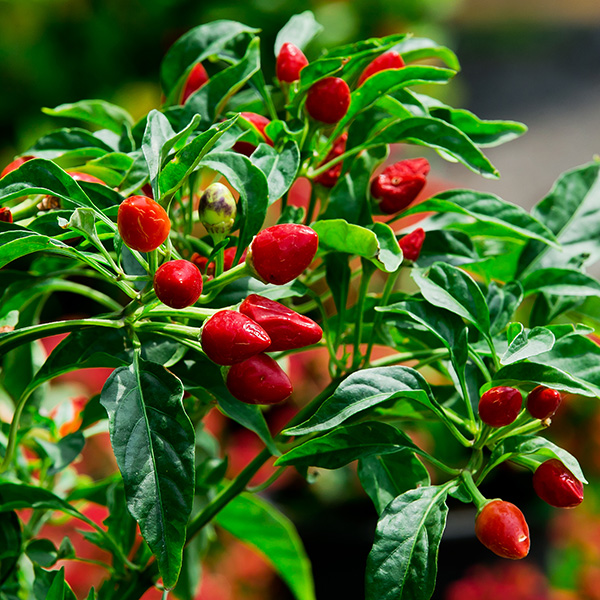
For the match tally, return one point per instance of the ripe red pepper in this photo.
(259, 380)
(259, 123)
(501, 527)
(5, 215)
(412, 243)
(329, 178)
(290, 61)
(178, 283)
(229, 337)
(388, 60)
(15, 164)
(77, 176)
(143, 223)
(196, 79)
(500, 406)
(556, 485)
(286, 328)
(542, 402)
(281, 253)
(328, 100)
(399, 184)
(217, 208)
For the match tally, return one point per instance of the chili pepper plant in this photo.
(473, 317)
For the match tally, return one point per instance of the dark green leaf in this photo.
(158, 131)
(346, 444)
(97, 112)
(403, 561)
(62, 141)
(560, 282)
(258, 523)
(153, 441)
(363, 390)
(452, 247)
(64, 452)
(299, 30)
(51, 585)
(414, 48)
(280, 167)
(42, 552)
(10, 543)
(502, 303)
(338, 276)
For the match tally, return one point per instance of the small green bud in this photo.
(217, 209)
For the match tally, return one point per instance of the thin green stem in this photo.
(367, 272)
(312, 173)
(233, 274)
(478, 498)
(480, 364)
(192, 312)
(438, 463)
(311, 206)
(399, 357)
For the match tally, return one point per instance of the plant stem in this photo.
(233, 274)
(480, 364)
(478, 498)
(368, 268)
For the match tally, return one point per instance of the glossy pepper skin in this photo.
(412, 243)
(178, 283)
(229, 337)
(399, 184)
(286, 328)
(5, 215)
(500, 406)
(290, 61)
(542, 402)
(328, 100)
(280, 253)
(77, 176)
(143, 223)
(259, 380)
(556, 485)
(259, 123)
(196, 79)
(330, 177)
(501, 527)
(388, 60)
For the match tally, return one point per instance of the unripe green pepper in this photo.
(217, 209)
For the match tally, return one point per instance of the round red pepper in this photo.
(556, 485)
(286, 328)
(178, 283)
(500, 406)
(229, 337)
(399, 184)
(501, 527)
(542, 402)
(328, 100)
(143, 223)
(290, 61)
(280, 253)
(412, 243)
(329, 178)
(195, 80)
(388, 60)
(259, 380)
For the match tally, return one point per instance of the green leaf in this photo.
(452, 247)
(451, 288)
(61, 141)
(502, 303)
(197, 45)
(97, 112)
(387, 476)
(537, 447)
(279, 167)
(258, 523)
(153, 441)
(299, 30)
(437, 134)
(528, 343)
(414, 48)
(571, 211)
(487, 208)
(378, 244)
(42, 552)
(64, 452)
(560, 282)
(252, 185)
(10, 543)
(346, 444)
(157, 132)
(403, 561)
(363, 390)
(51, 585)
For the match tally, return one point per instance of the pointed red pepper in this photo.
(501, 527)
(259, 380)
(259, 123)
(195, 80)
(388, 60)
(290, 61)
(15, 164)
(399, 184)
(229, 337)
(286, 328)
(412, 243)
(556, 485)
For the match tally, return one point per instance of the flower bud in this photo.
(501, 527)
(258, 380)
(286, 328)
(217, 209)
(500, 406)
(399, 184)
(556, 485)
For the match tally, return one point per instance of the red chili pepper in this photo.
(290, 61)
(5, 215)
(259, 380)
(15, 164)
(286, 328)
(388, 60)
(259, 123)
(399, 184)
(229, 337)
(195, 80)
(281, 253)
(178, 283)
(143, 223)
(556, 485)
(500, 406)
(501, 527)
(77, 176)
(542, 402)
(412, 243)
(329, 178)
(328, 100)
